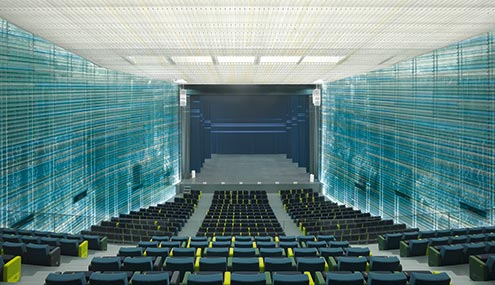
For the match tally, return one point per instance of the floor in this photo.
(248, 169)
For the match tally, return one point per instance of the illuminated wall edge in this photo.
(415, 141)
(79, 143)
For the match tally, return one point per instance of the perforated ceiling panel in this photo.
(341, 37)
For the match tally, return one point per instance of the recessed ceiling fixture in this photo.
(180, 81)
(192, 59)
(236, 59)
(279, 59)
(321, 59)
(319, 81)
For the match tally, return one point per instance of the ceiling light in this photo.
(180, 81)
(322, 59)
(279, 59)
(319, 81)
(192, 59)
(236, 59)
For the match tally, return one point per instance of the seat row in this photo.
(317, 216)
(482, 267)
(160, 220)
(457, 253)
(190, 278)
(392, 240)
(10, 268)
(19, 245)
(96, 242)
(247, 278)
(240, 213)
(418, 247)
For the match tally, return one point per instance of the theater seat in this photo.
(41, 254)
(325, 238)
(217, 251)
(146, 244)
(209, 278)
(273, 264)
(138, 263)
(266, 244)
(245, 264)
(306, 238)
(181, 264)
(357, 251)
(105, 264)
(158, 278)
(117, 278)
(344, 278)
(245, 252)
(243, 238)
(316, 244)
(482, 268)
(389, 241)
(311, 264)
(96, 242)
(14, 248)
(378, 278)
(77, 278)
(199, 244)
(385, 263)
(351, 263)
(331, 251)
(73, 247)
(249, 278)
(413, 248)
(305, 252)
(343, 244)
(429, 279)
(130, 251)
(211, 264)
(272, 252)
(291, 278)
(157, 251)
(449, 255)
(183, 251)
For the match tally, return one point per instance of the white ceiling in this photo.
(144, 37)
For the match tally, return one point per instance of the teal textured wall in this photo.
(415, 141)
(79, 143)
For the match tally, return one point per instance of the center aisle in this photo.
(192, 226)
(290, 228)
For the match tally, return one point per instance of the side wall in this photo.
(79, 142)
(415, 141)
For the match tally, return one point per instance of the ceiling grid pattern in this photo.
(274, 42)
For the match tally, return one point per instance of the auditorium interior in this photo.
(260, 142)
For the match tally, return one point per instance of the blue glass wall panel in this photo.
(415, 141)
(79, 143)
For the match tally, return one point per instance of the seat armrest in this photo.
(434, 258)
(319, 280)
(307, 273)
(158, 264)
(12, 270)
(404, 249)
(104, 243)
(268, 277)
(381, 242)
(333, 265)
(477, 269)
(55, 256)
(186, 277)
(83, 249)
(174, 280)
